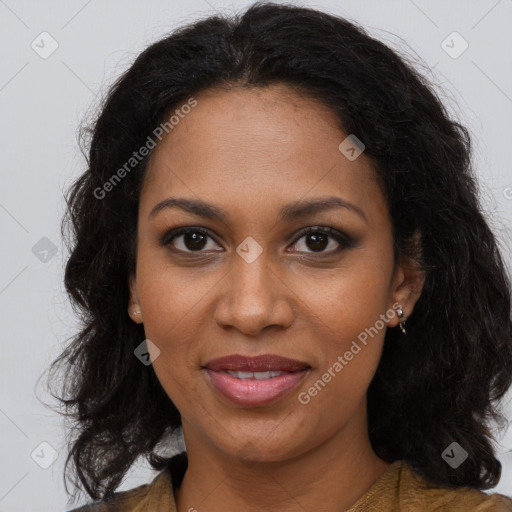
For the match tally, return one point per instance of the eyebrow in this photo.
(289, 212)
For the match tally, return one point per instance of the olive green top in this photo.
(398, 489)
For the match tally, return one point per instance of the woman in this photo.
(277, 249)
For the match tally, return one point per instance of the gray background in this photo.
(42, 102)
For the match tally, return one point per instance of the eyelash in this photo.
(345, 241)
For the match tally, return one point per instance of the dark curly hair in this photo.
(441, 383)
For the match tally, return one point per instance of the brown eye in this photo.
(320, 240)
(188, 239)
(317, 240)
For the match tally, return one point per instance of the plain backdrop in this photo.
(58, 59)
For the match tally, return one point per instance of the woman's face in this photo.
(255, 284)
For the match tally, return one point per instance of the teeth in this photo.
(256, 375)
(245, 375)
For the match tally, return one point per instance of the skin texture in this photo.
(250, 152)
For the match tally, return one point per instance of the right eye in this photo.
(188, 239)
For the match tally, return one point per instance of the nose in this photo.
(253, 297)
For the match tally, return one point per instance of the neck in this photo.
(330, 477)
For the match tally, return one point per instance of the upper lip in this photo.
(261, 363)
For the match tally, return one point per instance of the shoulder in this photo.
(155, 496)
(466, 499)
(417, 491)
(124, 501)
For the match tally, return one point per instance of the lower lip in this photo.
(254, 392)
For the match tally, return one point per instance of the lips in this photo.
(255, 381)
(262, 363)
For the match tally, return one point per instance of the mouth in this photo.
(255, 381)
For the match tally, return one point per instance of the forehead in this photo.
(256, 146)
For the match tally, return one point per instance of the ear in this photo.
(133, 305)
(407, 284)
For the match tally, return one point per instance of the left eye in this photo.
(317, 239)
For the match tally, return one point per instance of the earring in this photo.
(135, 313)
(403, 319)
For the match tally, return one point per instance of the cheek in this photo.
(350, 316)
(349, 340)
(170, 296)
(173, 301)
(346, 301)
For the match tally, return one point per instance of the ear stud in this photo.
(403, 319)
